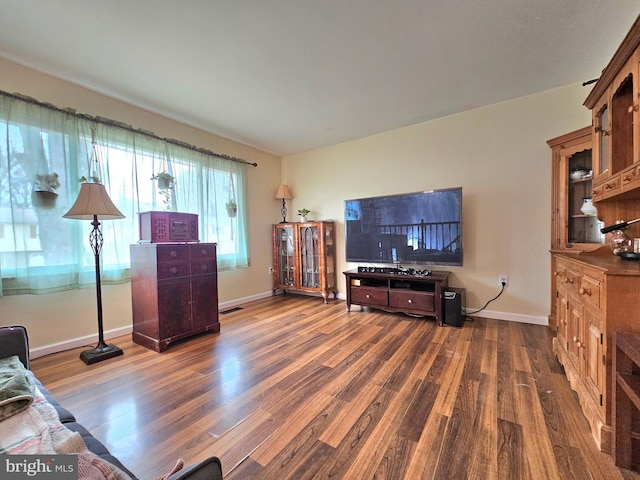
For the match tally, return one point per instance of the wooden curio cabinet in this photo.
(594, 292)
(304, 257)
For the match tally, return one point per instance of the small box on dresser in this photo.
(167, 227)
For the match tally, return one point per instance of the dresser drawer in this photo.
(173, 253)
(203, 252)
(173, 270)
(203, 267)
(370, 296)
(411, 299)
(589, 290)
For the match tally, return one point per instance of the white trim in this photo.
(88, 340)
(241, 301)
(512, 317)
(77, 342)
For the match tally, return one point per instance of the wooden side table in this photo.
(626, 400)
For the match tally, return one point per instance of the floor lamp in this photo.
(93, 203)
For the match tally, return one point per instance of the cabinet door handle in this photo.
(174, 270)
(632, 108)
(585, 291)
(204, 268)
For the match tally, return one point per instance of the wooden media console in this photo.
(397, 291)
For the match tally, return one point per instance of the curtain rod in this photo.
(124, 126)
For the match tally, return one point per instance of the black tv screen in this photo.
(417, 228)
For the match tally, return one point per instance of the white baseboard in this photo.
(86, 341)
(118, 332)
(512, 317)
(239, 301)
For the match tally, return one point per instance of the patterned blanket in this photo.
(35, 428)
(16, 387)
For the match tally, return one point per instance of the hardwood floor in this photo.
(294, 389)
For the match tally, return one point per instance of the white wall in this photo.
(497, 154)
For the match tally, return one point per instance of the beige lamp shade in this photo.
(93, 199)
(283, 192)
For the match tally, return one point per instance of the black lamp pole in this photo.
(283, 211)
(101, 351)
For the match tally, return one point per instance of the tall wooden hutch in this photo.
(595, 292)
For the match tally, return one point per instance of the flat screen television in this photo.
(413, 228)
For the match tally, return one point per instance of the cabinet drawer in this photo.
(612, 186)
(369, 296)
(597, 193)
(590, 291)
(172, 253)
(173, 270)
(571, 280)
(631, 177)
(201, 252)
(412, 299)
(203, 267)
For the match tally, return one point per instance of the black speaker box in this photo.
(454, 303)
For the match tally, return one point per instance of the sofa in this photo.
(14, 351)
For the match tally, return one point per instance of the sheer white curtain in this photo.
(42, 252)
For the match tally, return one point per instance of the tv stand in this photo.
(398, 292)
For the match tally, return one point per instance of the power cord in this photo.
(504, 284)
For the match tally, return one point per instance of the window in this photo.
(42, 252)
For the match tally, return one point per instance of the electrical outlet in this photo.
(270, 271)
(503, 280)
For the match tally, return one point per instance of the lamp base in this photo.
(100, 352)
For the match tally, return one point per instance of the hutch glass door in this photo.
(309, 256)
(285, 250)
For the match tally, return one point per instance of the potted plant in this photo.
(303, 212)
(166, 183)
(165, 180)
(232, 208)
(44, 193)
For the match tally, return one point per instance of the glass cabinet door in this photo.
(285, 255)
(583, 225)
(603, 130)
(622, 101)
(329, 256)
(309, 256)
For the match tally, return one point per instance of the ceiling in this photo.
(289, 76)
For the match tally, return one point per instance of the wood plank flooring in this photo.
(295, 389)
